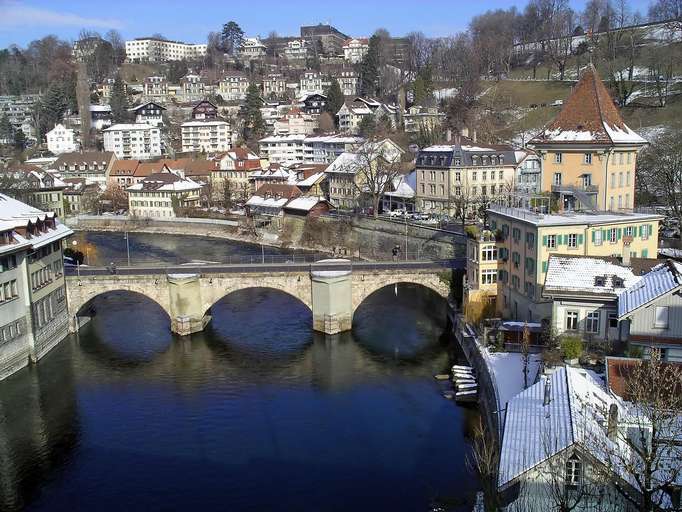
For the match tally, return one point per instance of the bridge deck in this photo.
(83, 271)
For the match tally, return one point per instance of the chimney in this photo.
(612, 427)
(548, 391)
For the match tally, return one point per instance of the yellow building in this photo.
(526, 240)
(482, 271)
(588, 152)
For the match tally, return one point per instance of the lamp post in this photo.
(78, 267)
(127, 246)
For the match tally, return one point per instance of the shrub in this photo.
(571, 347)
(472, 232)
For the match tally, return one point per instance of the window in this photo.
(574, 470)
(458, 176)
(613, 180)
(661, 317)
(551, 241)
(501, 175)
(627, 231)
(557, 158)
(592, 322)
(596, 237)
(620, 179)
(484, 175)
(489, 253)
(489, 277)
(571, 320)
(627, 178)
(645, 231)
(572, 241)
(613, 235)
(613, 321)
(588, 158)
(557, 178)
(473, 176)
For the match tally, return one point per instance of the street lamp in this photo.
(78, 267)
(125, 235)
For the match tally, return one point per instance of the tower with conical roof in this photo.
(588, 152)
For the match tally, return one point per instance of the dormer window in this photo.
(599, 281)
(474, 160)
(617, 282)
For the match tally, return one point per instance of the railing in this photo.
(515, 212)
(589, 189)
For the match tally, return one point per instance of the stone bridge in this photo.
(332, 289)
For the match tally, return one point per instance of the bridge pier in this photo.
(332, 300)
(187, 315)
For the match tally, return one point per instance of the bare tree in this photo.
(659, 171)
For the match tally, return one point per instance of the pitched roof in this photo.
(78, 157)
(148, 168)
(590, 116)
(580, 275)
(618, 370)
(662, 279)
(124, 167)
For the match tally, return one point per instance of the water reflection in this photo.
(255, 413)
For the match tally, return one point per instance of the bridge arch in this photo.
(296, 286)
(365, 285)
(81, 293)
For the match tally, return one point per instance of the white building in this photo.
(206, 135)
(352, 113)
(282, 149)
(299, 149)
(274, 85)
(155, 87)
(296, 50)
(312, 82)
(160, 50)
(136, 141)
(295, 122)
(354, 50)
(159, 195)
(61, 140)
(193, 87)
(252, 49)
(349, 81)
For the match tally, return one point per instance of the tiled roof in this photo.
(124, 167)
(662, 279)
(590, 116)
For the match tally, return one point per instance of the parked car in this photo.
(396, 213)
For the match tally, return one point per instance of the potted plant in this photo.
(572, 349)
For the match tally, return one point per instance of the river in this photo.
(255, 413)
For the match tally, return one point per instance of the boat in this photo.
(461, 367)
(473, 386)
(441, 376)
(466, 396)
(464, 381)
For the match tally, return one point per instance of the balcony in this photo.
(577, 187)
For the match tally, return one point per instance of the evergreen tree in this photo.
(254, 126)
(369, 69)
(54, 105)
(119, 101)
(6, 129)
(19, 139)
(232, 37)
(335, 97)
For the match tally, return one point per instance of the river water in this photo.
(255, 413)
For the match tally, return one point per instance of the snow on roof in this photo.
(569, 219)
(205, 123)
(586, 275)
(305, 203)
(129, 126)
(271, 202)
(661, 280)
(346, 162)
(310, 180)
(576, 414)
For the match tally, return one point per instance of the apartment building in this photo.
(161, 194)
(207, 136)
(155, 88)
(150, 113)
(527, 239)
(419, 118)
(351, 113)
(94, 166)
(233, 86)
(588, 153)
(193, 87)
(252, 48)
(463, 175)
(136, 141)
(282, 149)
(354, 50)
(295, 122)
(481, 276)
(326, 37)
(349, 82)
(235, 167)
(296, 50)
(274, 85)
(61, 140)
(30, 184)
(33, 313)
(149, 49)
(299, 149)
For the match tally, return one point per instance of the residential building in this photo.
(419, 119)
(233, 86)
(122, 173)
(155, 88)
(18, 110)
(137, 141)
(204, 111)
(464, 175)
(269, 200)
(584, 293)
(651, 308)
(32, 185)
(150, 113)
(295, 122)
(347, 176)
(307, 206)
(100, 116)
(274, 85)
(325, 37)
(61, 140)
(150, 49)
(33, 313)
(354, 50)
(526, 240)
(349, 81)
(252, 48)
(161, 194)
(80, 196)
(313, 103)
(207, 136)
(296, 50)
(312, 82)
(193, 88)
(282, 149)
(351, 113)
(272, 174)
(324, 149)
(528, 175)
(588, 153)
(94, 166)
(481, 272)
(558, 437)
(234, 166)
